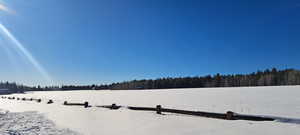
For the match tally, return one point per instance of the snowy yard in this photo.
(283, 102)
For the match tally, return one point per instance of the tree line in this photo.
(7, 87)
(268, 77)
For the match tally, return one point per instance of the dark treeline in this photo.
(6, 87)
(268, 77)
(86, 87)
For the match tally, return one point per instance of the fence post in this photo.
(113, 106)
(158, 109)
(50, 101)
(229, 115)
(86, 104)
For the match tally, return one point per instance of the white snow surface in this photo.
(29, 123)
(282, 102)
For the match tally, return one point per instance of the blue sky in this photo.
(104, 41)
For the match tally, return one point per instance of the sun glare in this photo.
(19, 47)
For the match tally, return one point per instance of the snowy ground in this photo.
(282, 102)
(29, 123)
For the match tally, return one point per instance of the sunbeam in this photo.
(6, 33)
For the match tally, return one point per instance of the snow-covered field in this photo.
(29, 123)
(282, 102)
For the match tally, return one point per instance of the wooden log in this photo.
(26, 99)
(196, 113)
(253, 118)
(75, 104)
(85, 104)
(112, 107)
(141, 108)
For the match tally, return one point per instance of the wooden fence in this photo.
(159, 110)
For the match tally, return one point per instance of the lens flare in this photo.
(6, 9)
(6, 33)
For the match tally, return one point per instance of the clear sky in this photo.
(103, 41)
